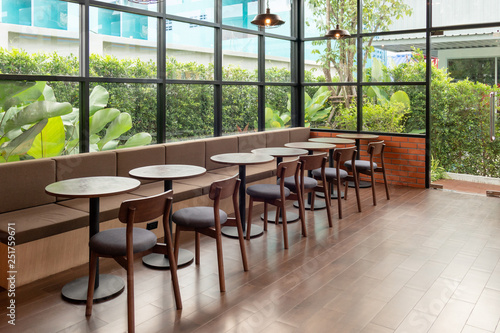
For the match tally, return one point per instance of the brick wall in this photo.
(404, 159)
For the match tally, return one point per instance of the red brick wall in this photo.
(404, 159)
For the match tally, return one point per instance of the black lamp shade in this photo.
(337, 33)
(268, 20)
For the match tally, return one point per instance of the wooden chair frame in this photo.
(219, 190)
(285, 169)
(376, 148)
(136, 211)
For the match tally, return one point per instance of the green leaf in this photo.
(21, 144)
(50, 141)
(140, 139)
(48, 94)
(101, 118)
(16, 93)
(113, 144)
(36, 112)
(98, 99)
(118, 126)
(401, 97)
(377, 72)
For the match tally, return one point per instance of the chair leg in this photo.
(90, 290)
(220, 261)
(339, 197)
(130, 294)
(302, 211)
(277, 217)
(356, 187)
(328, 208)
(285, 226)
(242, 244)
(177, 242)
(265, 216)
(249, 219)
(373, 189)
(173, 267)
(386, 187)
(197, 247)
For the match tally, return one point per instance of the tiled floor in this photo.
(466, 187)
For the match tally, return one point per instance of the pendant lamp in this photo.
(268, 20)
(337, 33)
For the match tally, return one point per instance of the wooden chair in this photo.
(123, 244)
(370, 167)
(336, 176)
(208, 221)
(276, 195)
(309, 184)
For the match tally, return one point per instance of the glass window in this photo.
(122, 44)
(278, 57)
(202, 10)
(45, 111)
(330, 60)
(476, 70)
(453, 12)
(318, 20)
(393, 109)
(47, 45)
(190, 111)
(140, 4)
(396, 58)
(190, 58)
(278, 107)
(239, 13)
(239, 56)
(239, 109)
(282, 8)
(381, 15)
(331, 107)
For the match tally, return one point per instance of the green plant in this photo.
(437, 171)
(34, 125)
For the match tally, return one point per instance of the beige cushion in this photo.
(299, 134)
(186, 152)
(86, 165)
(128, 159)
(277, 138)
(42, 221)
(219, 145)
(203, 182)
(23, 184)
(181, 191)
(247, 142)
(108, 206)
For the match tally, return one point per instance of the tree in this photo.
(340, 55)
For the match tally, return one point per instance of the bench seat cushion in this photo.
(108, 206)
(42, 221)
(181, 191)
(204, 181)
(254, 172)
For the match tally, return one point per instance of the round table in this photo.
(242, 160)
(279, 153)
(335, 141)
(167, 173)
(311, 147)
(106, 285)
(358, 137)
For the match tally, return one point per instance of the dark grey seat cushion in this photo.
(330, 173)
(113, 242)
(308, 183)
(361, 165)
(266, 191)
(198, 217)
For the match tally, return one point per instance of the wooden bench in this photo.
(51, 233)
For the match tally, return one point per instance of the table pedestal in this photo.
(160, 261)
(361, 184)
(109, 287)
(291, 217)
(333, 195)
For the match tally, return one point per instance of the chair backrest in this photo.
(146, 209)
(375, 148)
(312, 162)
(224, 188)
(288, 169)
(344, 154)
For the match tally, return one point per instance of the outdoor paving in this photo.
(465, 186)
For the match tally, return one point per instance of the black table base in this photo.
(232, 232)
(291, 217)
(332, 196)
(318, 204)
(109, 287)
(160, 261)
(361, 184)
